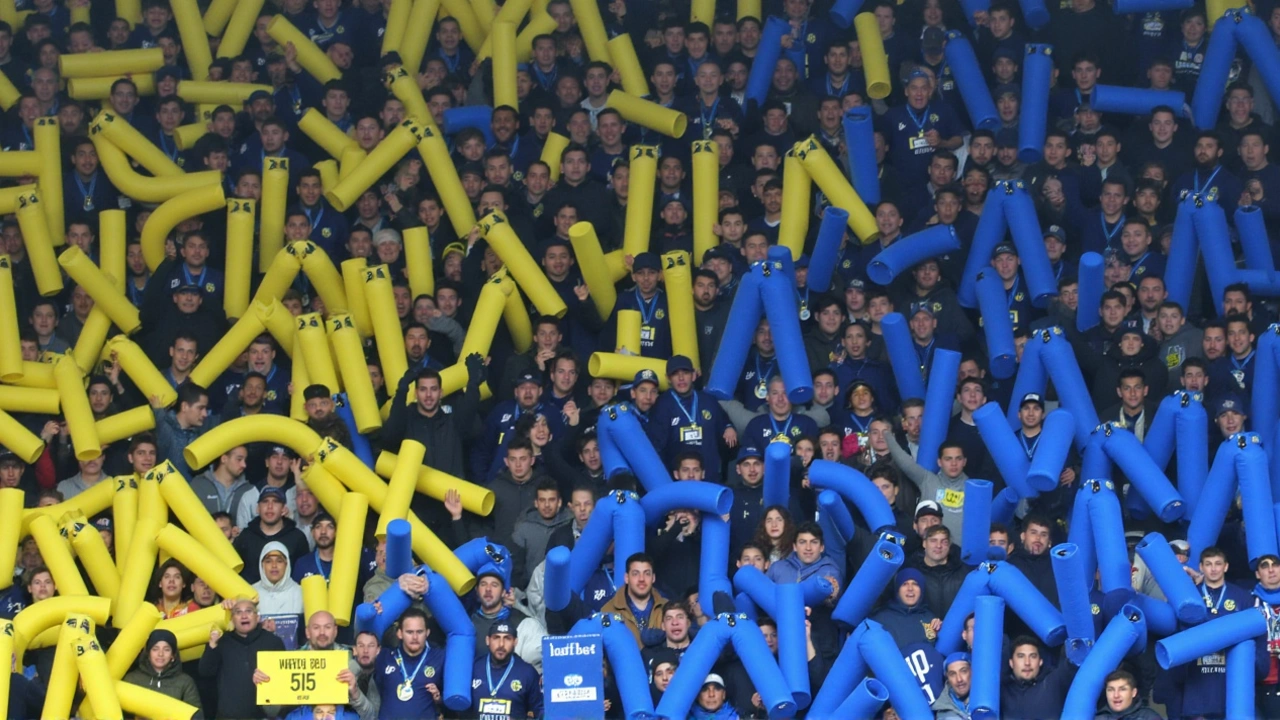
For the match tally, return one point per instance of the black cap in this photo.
(186, 288)
(270, 492)
(529, 377)
(7, 457)
(678, 363)
(1131, 327)
(1002, 249)
(1032, 398)
(502, 627)
(646, 261)
(323, 516)
(932, 40)
(1056, 231)
(257, 95)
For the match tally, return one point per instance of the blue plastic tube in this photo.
(1184, 251)
(975, 585)
(1037, 270)
(1219, 633)
(1037, 77)
(1126, 452)
(748, 643)
(1108, 539)
(844, 677)
(628, 531)
(1241, 681)
(972, 83)
(864, 702)
(767, 55)
(1255, 493)
(1003, 506)
(1080, 532)
(1206, 101)
(1094, 462)
(837, 525)
(1060, 364)
(1035, 12)
(588, 551)
(399, 548)
(903, 254)
(1030, 379)
(1052, 449)
(630, 439)
(1264, 403)
(1115, 642)
(872, 577)
(1161, 435)
(393, 602)
(706, 497)
(856, 489)
(1178, 588)
(1192, 431)
(480, 554)
(842, 12)
(1215, 246)
(989, 233)
(792, 647)
(1069, 571)
(556, 592)
(937, 406)
(359, 443)
(461, 118)
(1092, 285)
(1135, 101)
(988, 640)
(902, 356)
(610, 455)
(1006, 452)
(698, 659)
(997, 325)
(1252, 32)
(777, 472)
(826, 249)
(460, 641)
(1215, 499)
(713, 565)
(884, 658)
(749, 581)
(1028, 603)
(1126, 7)
(779, 296)
(864, 173)
(739, 334)
(624, 659)
(1252, 231)
(976, 531)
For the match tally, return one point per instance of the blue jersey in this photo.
(926, 665)
(753, 386)
(507, 692)
(389, 672)
(762, 429)
(655, 322)
(692, 424)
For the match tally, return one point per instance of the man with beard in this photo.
(262, 360)
(321, 416)
(953, 704)
(270, 526)
(324, 532)
(409, 677)
(504, 687)
(1209, 176)
(687, 419)
(710, 316)
(779, 420)
(495, 606)
(637, 601)
(233, 660)
(364, 655)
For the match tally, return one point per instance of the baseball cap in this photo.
(1180, 545)
(803, 261)
(927, 507)
(323, 516)
(720, 252)
(956, 657)
(914, 74)
(856, 284)
(1131, 327)
(932, 40)
(186, 288)
(451, 248)
(1229, 403)
(502, 628)
(1056, 231)
(646, 261)
(103, 523)
(281, 450)
(645, 376)
(8, 456)
(270, 492)
(1032, 398)
(713, 679)
(678, 363)
(749, 451)
(922, 307)
(1002, 249)
(529, 377)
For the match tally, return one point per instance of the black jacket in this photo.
(251, 540)
(232, 662)
(443, 434)
(942, 582)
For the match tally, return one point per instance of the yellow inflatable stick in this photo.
(117, 131)
(123, 654)
(10, 348)
(114, 428)
(278, 321)
(93, 336)
(241, 215)
(141, 370)
(11, 197)
(540, 23)
(36, 375)
(327, 489)
(315, 595)
(279, 277)
(405, 87)
(57, 557)
(484, 10)
(203, 562)
(497, 231)
(516, 315)
(219, 93)
(875, 61)
(416, 34)
(511, 12)
(99, 88)
(749, 9)
(346, 558)
(677, 275)
(345, 339)
(17, 163)
(586, 249)
(461, 11)
(252, 428)
(113, 251)
(24, 443)
(706, 197)
(827, 176)
(435, 484)
(328, 170)
(229, 347)
(503, 38)
(195, 43)
(215, 20)
(138, 568)
(6, 655)
(141, 702)
(275, 193)
(484, 325)
(98, 684)
(103, 291)
(323, 275)
(552, 149)
(404, 479)
(628, 336)
(75, 408)
(315, 347)
(328, 136)
(386, 323)
(358, 305)
(418, 261)
(797, 195)
(703, 11)
(38, 240)
(193, 642)
(591, 25)
(9, 94)
(240, 27)
(311, 58)
(143, 188)
(186, 136)
(124, 516)
(95, 557)
(214, 616)
(644, 174)
(397, 21)
(165, 218)
(352, 159)
(300, 378)
(116, 63)
(647, 113)
(39, 617)
(11, 501)
(624, 367)
(627, 63)
(60, 693)
(95, 500)
(182, 501)
(445, 176)
(153, 511)
(384, 157)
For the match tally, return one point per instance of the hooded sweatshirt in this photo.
(530, 540)
(169, 681)
(278, 598)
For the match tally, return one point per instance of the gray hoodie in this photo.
(216, 497)
(947, 492)
(1188, 342)
(279, 598)
(529, 542)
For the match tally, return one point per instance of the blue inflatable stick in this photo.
(902, 356)
(480, 554)
(792, 645)
(865, 701)
(1215, 248)
(856, 489)
(997, 325)
(1184, 251)
(1092, 285)
(628, 667)
(359, 443)
(1051, 450)
(1030, 379)
(460, 641)
(556, 592)
(1206, 101)
(478, 117)
(847, 672)
(1028, 603)
(713, 565)
(987, 668)
(905, 253)
(1126, 7)
(975, 585)
(864, 172)
(1006, 451)
(1241, 682)
(1060, 364)
(1126, 452)
(399, 548)
(1219, 633)
(1115, 642)
(1037, 270)
(779, 296)
(1252, 32)
(1036, 14)
(739, 334)
(1161, 435)
(1178, 588)
(1123, 100)
(1108, 539)
(707, 497)
(588, 552)
(1192, 432)
(989, 233)
(842, 12)
(1073, 594)
(702, 654)
(1037, 78)
(971, 82)
(1252, 231)
(871, 579)
(1255, 493)
(826, 249)
(777, 471)
(1080, 533)
(1002, 508)
(1215, 499)
(767, 55)
(937, 407)
(884, 658)
(1264, 402)
(976, 536)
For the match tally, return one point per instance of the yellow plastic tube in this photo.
(252, 428)
(38, 240)
(93, 336)
(10, 349)
(193, 642)
(81, 269)
(95, 500)
(629, 322)
(818, 163)
(346, 558)
(153, 511)
(647, 113)
(219, 93)
(311, 58)
(328, 170)
(182, 502)
(186, 136)
(315, 595)
(1214, 9)
(11, 198)
(138, 568)
(484, 325)
(125, 424)
(384, 157)
(445, 176)
(677, 275)
(590, 257)
(435, 484)
(703, 11)
(28, 400)
(706, 197)
(201, 560)
(516, 316)
(300, 378)
(345, 338)
(123, 654)
(17, 163)
(749, 9)
(352, 159)
(117, 131)
(36, 375)
(644, 174)
(11, 501)
(56, 556)
(323, 275)
(552, 149)
(195, 42)
(165, 218)
(47, 133)
(397, 22)
(124, 515)
(9, 94)
(39, 617)
(875, 61)
(315, 346)
(140, 370)
(591, 25)
(327, 489)
(229, 347)
(279, 276)
(61, 689)
(98, 683)
(216, 17)
(358, 306)
(624, 367)
(386, 324)
(275, 194)
(278, 321)
(414, 36)
(540, 23)
(111, 63)
(24, 443)
(142, 702)
(497, 231)
(99, 88)
(113, 249)
(484, 10)
(206, 618)
(96, 558)
(404, 480)
(75, 408)
(143, 188)
(241, 215)
(512, 11)
(418, 261)
(797, 195)
(461, 11)
(328, 136)
(503, 37)
(404, 86)
(239, 28)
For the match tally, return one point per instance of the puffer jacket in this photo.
(169, 681)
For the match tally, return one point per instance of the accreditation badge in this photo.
(495, 709)
(691, 434)
(646, 333)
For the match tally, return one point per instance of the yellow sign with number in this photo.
(303, 677)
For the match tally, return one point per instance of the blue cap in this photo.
(909, 574)
(749, 451)
(646, 261)
(1230, 403)
(1131, 327)
(645, 376)
(956, 657)
(678, 363)
(923, 306)
(270, 492)
(802, 261)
